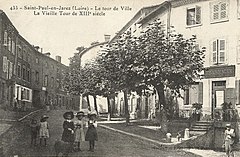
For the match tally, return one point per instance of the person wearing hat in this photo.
(79, 132)
(43, 129)
(68, 128)
(229, 136)
(91, 135)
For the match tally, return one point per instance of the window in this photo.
(52, 81)
(37, 60)
(218, 51)
(24, 72)
(37, 76)
(19, 51)
(45, 83)
(19, 70)
(24, 55)
(194, 16)
(186, 96)
(26, 94)
(219, 11)
(28, 75)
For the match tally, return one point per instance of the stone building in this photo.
(27, 74)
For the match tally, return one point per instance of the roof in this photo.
(177, 3)
(92, 46)
(134, 19)
(162, 7)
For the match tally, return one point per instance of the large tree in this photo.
(167, 59)
(118, 62)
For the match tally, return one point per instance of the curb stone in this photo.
(161, 144)
(156, 143)
(20, 119)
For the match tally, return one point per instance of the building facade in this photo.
(27, 75)
(215, 24)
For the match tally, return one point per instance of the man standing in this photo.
(229, 136)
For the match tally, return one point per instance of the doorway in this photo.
(218, 94)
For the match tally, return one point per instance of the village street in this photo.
(109, 144)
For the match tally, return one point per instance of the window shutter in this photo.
(10, 70)
(198, 15)
(214, 52)
(238, 51)
(223, 10)
(9, 43)
(5, 62)
(5, 38)
(13, 47)
(215, 12)
(222, 51)
(7, 68)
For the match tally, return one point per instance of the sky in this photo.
(61, 34)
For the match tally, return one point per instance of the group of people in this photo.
(73, 130)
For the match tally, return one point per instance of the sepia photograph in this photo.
(120, 78)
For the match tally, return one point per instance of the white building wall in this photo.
(90, 55)
(206, 32)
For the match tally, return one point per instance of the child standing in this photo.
(68, 129)
(44, 129)
(91, 135)
(34, 131)
(79, 132)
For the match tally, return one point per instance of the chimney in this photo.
(107, 37)
(47, 54)
(58, 58)
(36, 47)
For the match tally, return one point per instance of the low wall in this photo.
(212, 139)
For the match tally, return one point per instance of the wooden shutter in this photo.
(13, 46)
(5, 38)
(222, 50)
(9, 43)
(5, 62)
(214, 52)
(198, 14)
(10, 70)
(215, 12)
(223, 10)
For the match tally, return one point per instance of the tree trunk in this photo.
(162, 103)
(95, 103)
(109, 108)
(88, 102)
(126, 106)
